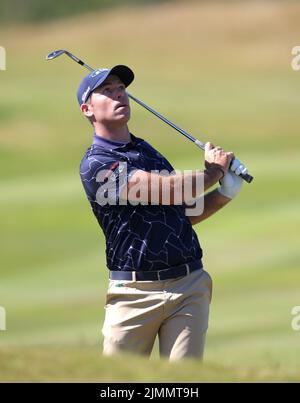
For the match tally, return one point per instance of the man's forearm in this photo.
(149, 187)
(211, 176)
(197, 181)
(213, 202)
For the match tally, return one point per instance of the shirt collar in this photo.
(105, 143)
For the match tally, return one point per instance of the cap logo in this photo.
(96, 72)
(85, 93)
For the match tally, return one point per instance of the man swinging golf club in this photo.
(157, 284)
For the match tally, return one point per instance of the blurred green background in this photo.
(218, 68)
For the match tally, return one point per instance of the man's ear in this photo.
(86, 109)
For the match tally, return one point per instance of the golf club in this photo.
(248, 178)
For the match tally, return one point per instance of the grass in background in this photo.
(87, 365)
(225, 72)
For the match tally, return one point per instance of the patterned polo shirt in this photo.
(138, 237)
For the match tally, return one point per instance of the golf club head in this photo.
(55, 54)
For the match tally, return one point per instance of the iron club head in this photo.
(55, 54)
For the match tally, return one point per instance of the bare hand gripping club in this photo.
(248, 178)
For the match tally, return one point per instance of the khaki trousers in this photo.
(176, 310)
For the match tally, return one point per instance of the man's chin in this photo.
(123, 118)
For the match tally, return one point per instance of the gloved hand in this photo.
(231, 183)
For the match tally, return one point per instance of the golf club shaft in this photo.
(79, 61)
(248, 178)
(197, 142)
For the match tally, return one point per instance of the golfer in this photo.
(157, 283)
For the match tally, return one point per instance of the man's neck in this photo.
(115, 133)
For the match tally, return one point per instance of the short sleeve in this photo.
(104, 178)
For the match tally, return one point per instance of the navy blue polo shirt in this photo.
(140, 237)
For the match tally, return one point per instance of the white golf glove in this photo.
(231, 183)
